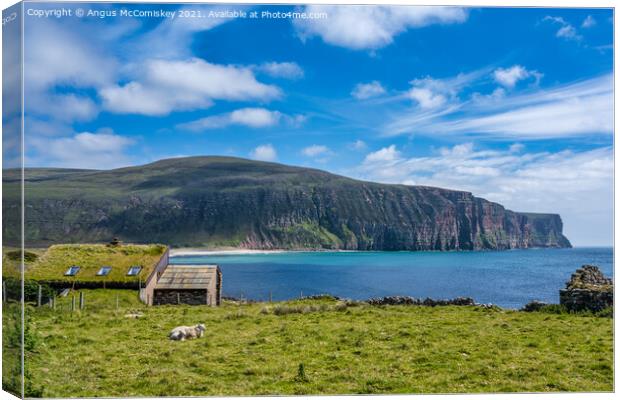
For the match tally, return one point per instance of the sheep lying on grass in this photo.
(187, 332)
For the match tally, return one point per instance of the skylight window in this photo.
(72, 271)
(104, 271)
(135, 270)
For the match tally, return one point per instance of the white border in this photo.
(474, 4)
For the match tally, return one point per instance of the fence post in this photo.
(39, 297)
(301, 294)
(81, 300)
(178, 298)
(72, 302)
(270, 296)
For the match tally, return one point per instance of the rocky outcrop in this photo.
(220, 201)
(588, 289)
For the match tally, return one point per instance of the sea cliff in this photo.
(223, 201)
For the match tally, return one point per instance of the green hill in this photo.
(225, 201)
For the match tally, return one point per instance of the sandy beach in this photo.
(206, 252)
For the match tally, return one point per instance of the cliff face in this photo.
(218, 201)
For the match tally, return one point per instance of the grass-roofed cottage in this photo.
(128, 266)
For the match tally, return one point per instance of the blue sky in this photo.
(514, 105)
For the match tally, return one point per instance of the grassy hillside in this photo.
(226, 201)
(51, 265)
(313, 347)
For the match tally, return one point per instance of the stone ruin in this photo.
(588, 289)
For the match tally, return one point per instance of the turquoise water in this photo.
(506, 278)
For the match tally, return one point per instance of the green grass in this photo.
(11, 354)
(51, 265)
(313, 347)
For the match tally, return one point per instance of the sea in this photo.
(508, 279)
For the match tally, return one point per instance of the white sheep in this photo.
(187, 332)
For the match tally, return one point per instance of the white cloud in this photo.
(363, 91)
(426, 98)
(11, 142)
(61, 107)
(430, 93)
(566, 31)
(516, 147)
(56, 56)
(358, 145)
(287, 70)
(569, 117)
(385, 154)
(166, 86)
(251, 117)
(265, 152)
(494, 97)
(255, 117)
(371, 27)
(575, 109)
(315, 150)
(102, 150)
(588, 22)
(577, 185)
(510, 76)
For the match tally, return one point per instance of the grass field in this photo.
(312, 347)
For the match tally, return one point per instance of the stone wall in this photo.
(588, 289)
(586, 299)
(406, 300)
(184, 296)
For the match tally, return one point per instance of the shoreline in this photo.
(192, 251)
(222, 252)
(205, 252)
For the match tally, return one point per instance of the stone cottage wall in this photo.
(185, 296)
(586, 299)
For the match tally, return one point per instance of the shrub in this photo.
(30, 337)
(236, 315)
(16, 255)
(301, 373)
(533, 306)
(285, 310)
(605, 313)
(301, 309)
(31, 290)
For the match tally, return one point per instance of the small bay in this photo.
(506, 278)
